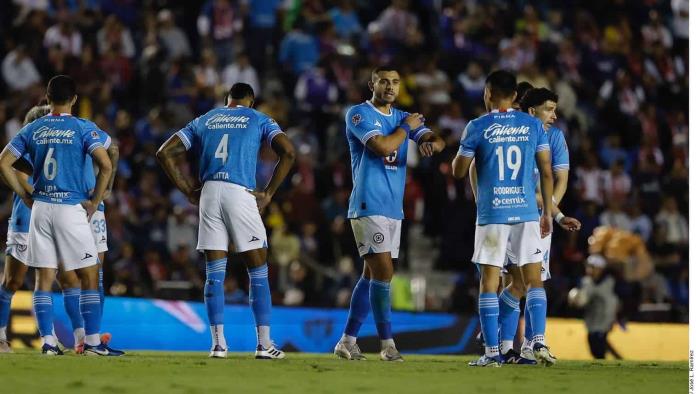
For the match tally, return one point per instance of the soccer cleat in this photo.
(101, 350)
(390, 354)
(485, 361)
(512, 357)
(543, 355)
(5, 346)
(269, 354)
(51, 350)
(349, 351)
(218, 352)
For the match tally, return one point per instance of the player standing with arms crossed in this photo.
(58, 146)
(506, 145)
(227, 141)
(378, 140)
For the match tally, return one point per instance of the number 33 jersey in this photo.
(504, 145)
(227, 141)
(378, 182)
(58, 148)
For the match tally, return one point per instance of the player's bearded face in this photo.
(546, 113)
(385, 86)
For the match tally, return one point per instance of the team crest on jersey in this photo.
(95, 135)
(390, 161)
(356, 119)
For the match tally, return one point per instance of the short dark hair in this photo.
(36, 112)
(522, 89)
(537, 96)
(61, 89)
(502, 83)
(386, 67)
(241, 90)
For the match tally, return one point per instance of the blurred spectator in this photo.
(346, 20)
(399, 24)
(175, 41)
(18, 70)
(114, 35)
(677, 230)
(299, 50)
(590, 180)
(241, 71)
(64, 35)
(639, 222)
(220, 21)
(614, 216)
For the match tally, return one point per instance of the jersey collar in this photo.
(497, 110)
(378, 111)
(60, 114)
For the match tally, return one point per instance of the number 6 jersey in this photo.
(504, 145)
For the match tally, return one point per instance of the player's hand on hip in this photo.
(262, 199)
(89, 206)
(28, 201)
(414, 120)
(194, 197)
(570, 224)
(546, 225)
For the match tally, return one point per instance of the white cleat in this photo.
(218, 352)
(527, 353)
(390, 354)
(269, 354)
(348, 351)
(5, 346)
(543, 355)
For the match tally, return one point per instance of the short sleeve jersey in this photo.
(504, 145)
(227, 141)
(378, 182)
(58, 147)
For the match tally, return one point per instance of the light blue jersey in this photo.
(504, 145)
(378, 182)
(227, 142)
(560, 159)
(89, 174)
(58, 147)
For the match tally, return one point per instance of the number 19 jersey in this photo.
(504, 145)
(227, 142)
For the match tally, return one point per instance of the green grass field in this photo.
(160, 372)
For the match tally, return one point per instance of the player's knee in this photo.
(12, 282)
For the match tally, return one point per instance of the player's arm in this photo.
(7, 159)
(168, 155)
(282, 146)
(560, 185)
(430, 144)
(24, 171)
(113, 153)
(543, 160)
(385, 145)
(101, 158)
(461, 165)
(473, 178)
(465, 156)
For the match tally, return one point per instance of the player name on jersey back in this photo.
(504, 145)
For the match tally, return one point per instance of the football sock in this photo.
(536, 304)
(90, 308)
(214, 295)
(217, 332)
(101, 290)
(5, 303)
(509, 316)
(528, 334)
(71, 300)
(260, 301)
(43, 309)
(380, 300)
(488, 313)
(359, 308)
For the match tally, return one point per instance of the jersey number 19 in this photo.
(513, 159)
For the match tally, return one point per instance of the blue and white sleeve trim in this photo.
(420, 134)
(561, 167)
(542, 147)
(369, 135)
(184, 139)
(465, 152)
(94, 147)
(15, 152)
(107, 143)
(274, 134)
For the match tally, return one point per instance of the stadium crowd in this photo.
(145, 68)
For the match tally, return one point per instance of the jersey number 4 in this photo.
(221, 151)
(513, 159)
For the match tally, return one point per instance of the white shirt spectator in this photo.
(19, 71)
(680, 20)
(676, 226)
(616, 219)
(69, 41)
(238, 73)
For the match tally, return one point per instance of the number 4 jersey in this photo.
(504, 145)
(227, 142)
(58, 148)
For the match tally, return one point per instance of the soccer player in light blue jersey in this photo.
(227, 142)
(507, 145)
(58, 146)
(378, 137)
